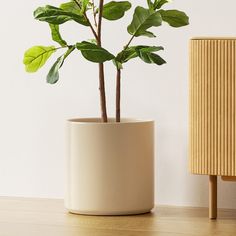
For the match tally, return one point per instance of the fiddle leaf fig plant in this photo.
(90, 14)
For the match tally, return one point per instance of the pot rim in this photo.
(111, 121)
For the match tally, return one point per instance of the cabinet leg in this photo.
(212, 197)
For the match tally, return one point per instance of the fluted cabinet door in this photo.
(212, 106)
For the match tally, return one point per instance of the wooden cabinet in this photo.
(212, 111)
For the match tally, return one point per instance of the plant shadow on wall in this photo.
(89, 13)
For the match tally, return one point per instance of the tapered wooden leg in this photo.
(212, 197)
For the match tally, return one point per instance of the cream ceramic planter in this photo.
(110, 167)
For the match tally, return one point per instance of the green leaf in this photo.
(152, 58)
(53, 75)
(115, 10)
(147, 55)
(36, 57)
(148, 49)
(133, 52)
(126, 55)
(78, 7)
(93, 52)
(57, 16)
(159, 3)
(174, 18)
(71, 7)
(56, 36)
(144, 19)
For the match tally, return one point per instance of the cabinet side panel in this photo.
(212, 107)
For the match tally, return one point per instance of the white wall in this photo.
(33, 113)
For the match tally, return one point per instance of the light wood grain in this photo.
(212, 196)
(212, 106)
(42, 217)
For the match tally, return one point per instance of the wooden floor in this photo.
(41, 217)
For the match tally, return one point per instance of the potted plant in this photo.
(110, 162)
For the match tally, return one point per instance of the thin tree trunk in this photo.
(101, 68)
(118, 94)
(118, 86)
(102, 93)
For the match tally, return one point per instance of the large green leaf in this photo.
(144, 19)
(57, 16)
(36, 57)
(115, 10)
(56, 36)
(53, 75)
(71, 7)
(174, 18)
(94, 53)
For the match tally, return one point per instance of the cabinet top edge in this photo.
(213, 38)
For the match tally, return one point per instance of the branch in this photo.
(101, 67)
(127, 45)
(118, 94)
(86, 17)
(91, 27)
(100, 21)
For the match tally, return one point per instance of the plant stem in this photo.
(118, 94)
(118, 85)
(127, 45)
(101, 68)
(86, 17)
(91, 27)
(61, 47)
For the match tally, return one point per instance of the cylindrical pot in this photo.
(110, 167)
